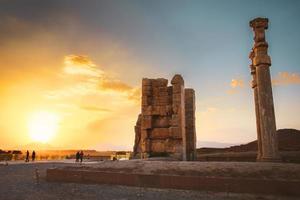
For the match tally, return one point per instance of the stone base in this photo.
(258, 178)
(147, 156)
(219, 184)
(268, 159)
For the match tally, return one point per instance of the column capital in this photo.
(259, 23)
(259, 54)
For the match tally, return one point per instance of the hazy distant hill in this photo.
(288, 139)
(202, 144)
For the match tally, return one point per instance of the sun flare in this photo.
(43, 126)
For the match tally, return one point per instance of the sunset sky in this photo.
(76, 67)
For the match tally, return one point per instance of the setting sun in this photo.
(43, 126)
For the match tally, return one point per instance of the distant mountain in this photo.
(288, 139)
(202, 144)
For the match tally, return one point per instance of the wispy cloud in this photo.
(114, 84)
(235, 85)
(281, 79)
(81, 65)
(81, 60)
(133, 93)
(286, 78)
(87, 79)
(94, 108)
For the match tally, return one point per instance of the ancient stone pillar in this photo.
(178, 117)
(190, 127)
(166, 125)
(262, 62)
(256, 104)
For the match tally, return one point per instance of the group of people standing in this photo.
(79, 156)
(32, 156)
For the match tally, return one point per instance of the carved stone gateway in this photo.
(166, 125)
(263, 97)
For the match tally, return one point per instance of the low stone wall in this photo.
(219, 184)
(250, 156)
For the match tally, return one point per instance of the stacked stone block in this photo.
(162, 128)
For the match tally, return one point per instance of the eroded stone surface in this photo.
(166, 125)
(263, 97)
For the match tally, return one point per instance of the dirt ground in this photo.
(18, 181)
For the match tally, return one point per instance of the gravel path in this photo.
(18, 181)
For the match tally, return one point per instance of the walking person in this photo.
(77, 156)
(27, 156)
(81, 156)
(33, 156)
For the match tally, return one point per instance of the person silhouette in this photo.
(27, 156)
(33, 156)
(77, 156)
(81, 156)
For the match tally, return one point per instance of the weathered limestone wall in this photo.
(161, 128)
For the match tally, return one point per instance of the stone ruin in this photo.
(166, 125)
(263, 98)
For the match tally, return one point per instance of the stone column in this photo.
(190, 127)
(256, 104)
(178, 117)
(262, 62)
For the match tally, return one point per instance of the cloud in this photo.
(133, 93)
(81, 65)
(282, 78)
(85, 78)
(286, 78)
(81, 60)
(94, 108)
(236, 83)
(113, 84)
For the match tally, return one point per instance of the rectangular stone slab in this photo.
(218, 184)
